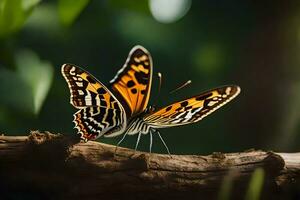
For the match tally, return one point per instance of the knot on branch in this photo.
(274, 163)
(36, 137)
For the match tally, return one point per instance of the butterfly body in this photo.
(138, 125)
(122, 109)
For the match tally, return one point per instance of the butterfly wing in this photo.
(85, 89)
(192, 109)
(133, 82)
(100, 112)
(93, 122)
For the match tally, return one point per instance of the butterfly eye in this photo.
(152, 108)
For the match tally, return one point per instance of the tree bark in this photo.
(44, 165)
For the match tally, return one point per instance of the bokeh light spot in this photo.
(166, 11)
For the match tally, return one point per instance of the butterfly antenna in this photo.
(181, 86)
(160, 81)
(159, 86)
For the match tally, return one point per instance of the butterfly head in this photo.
(150, 109)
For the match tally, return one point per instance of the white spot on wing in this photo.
(80, 92)
(72, 71)
(228, 90)
(211, 103)
(79, 84)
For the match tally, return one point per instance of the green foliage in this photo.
(255, 185)
(38, 76)
(69, 10)
(26, 88)
(16, 91)
(13, 14)
(226, 187)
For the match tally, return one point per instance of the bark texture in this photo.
(49, 166)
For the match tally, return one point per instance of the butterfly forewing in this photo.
(85, 89)
(133, 82)
(99, 110)
(192, 109)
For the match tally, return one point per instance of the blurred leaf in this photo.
(255, 185)
(29, 4)
(37, 74)
(26, 89)
(226, 186)
(13, 14)
(15, 92)
(44, 22)
(69, 10)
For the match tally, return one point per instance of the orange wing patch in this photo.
(192, 109)
(133, 81)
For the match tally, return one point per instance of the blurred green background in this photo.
(254, 44)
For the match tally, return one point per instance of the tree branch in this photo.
(54, 166)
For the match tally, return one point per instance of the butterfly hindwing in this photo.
(192, 109)
(100, 111)
(93, 122)
(133, 82)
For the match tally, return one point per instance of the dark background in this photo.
(254, 44)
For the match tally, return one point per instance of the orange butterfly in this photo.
(122, 109)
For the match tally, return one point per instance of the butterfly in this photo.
(122, 107)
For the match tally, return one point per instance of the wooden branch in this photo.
(54, 166)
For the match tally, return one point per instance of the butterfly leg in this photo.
(151, 138)
(163, 143)
(118, 144)
(137, 141)
(150, 145)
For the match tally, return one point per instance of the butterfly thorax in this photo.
(138, 124)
